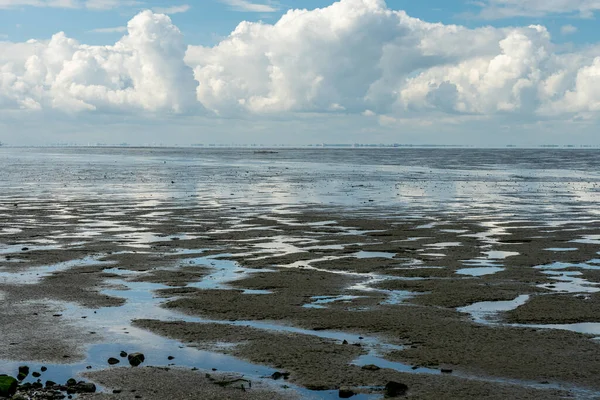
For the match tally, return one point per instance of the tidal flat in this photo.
(301, 273)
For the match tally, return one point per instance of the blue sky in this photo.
(487, 72)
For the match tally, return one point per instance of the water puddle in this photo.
(322, 301)
(561, 249)
(443, 245)
(482, 271)
(487, 311)
(34, 275)
(568, 282)
(487, 265)
(226, 271)
(373, 254)
(587, 239)
(20, 248)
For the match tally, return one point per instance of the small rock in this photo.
(117, 391)
(113, 361)
(446, 371)
(170, 358)
(370, 367)
(50, 384)
(85, 387)
(23, 372)
(345, 393)
(278, 375)
(43, 369)
(123, 354)
(136, 359)
(395, 389)
(25, 249)
(345, 342)
(36, 374)
(71, 382)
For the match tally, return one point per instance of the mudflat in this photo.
(269, 285)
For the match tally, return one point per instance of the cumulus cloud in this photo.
(142, 71)
(359, 55)
(354, 57)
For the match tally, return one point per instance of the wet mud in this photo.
(450, 297)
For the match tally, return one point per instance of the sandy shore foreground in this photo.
(448, 305)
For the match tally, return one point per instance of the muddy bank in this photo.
(202, 275)
(176, 383)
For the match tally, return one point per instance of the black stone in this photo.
(113, 361)
(136, 359)
(395, 389)
(345, 393)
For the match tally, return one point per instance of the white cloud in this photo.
(245, 5)
(173, 9)
(355, 57)
(144, 71)
(568, 30)
(118, 29)
(360, 55)
(496, 9)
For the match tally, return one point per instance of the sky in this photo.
(482, 73)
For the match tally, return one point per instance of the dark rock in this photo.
(279, 375)
(43, 369)
(113, 361)
(170, 358)
(345, 342)
(25, 249)
(136, 359)
(71, 382)
(23, 372)
(446, 371)
(123, 354)
(8, 386)
(395, 389)
(370, 367)
(117, 391)
(37, 385)
(36, 374)
(50, 384)
(345, 393)
(85, 387)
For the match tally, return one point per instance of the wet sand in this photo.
(461, 304)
